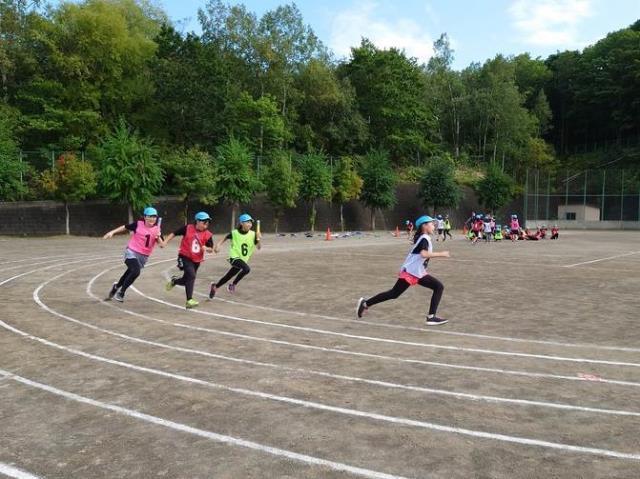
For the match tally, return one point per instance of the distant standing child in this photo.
(476, 229)
(440, 226)
(487, 226)
(409, 226)
(414, 271)
(554, 232)
(515, 227)
(145, 235)
(195, 239)
(447, 228)
(243, 242)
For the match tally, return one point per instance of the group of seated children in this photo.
(484, 227)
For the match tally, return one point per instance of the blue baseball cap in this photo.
(244, 217)
(423, 219)
(150, 211)
(202, 216)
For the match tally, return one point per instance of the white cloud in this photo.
(349, 26)
(550, 22)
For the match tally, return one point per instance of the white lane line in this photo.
(410, 328)
(11, 471)
(358, 413)
(34, 264)
(600, 259)
(391, 341)
(8, 280)
(395, 359)
(232, 441)
(45, 257)
(384, 384)
(351, 412)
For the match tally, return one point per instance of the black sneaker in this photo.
(119, 296)
(361, 308)
(435, 321)
(212, 291)
(114, 290)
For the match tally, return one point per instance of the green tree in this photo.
(438, 187)
(378, 183)
(315, 182)
(237, 182)
(446, 93)
(130, 171)
(258, 123)
(191, 174)
(11, 168)
(282, 184)
(70, 180)
(347, 184)
(390, 94)
(328, 119)
(495, 190)
(193, 87)
(88, 67)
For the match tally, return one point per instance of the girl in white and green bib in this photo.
(243, 243)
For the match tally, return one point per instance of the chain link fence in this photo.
(609, 195)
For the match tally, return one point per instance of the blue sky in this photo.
(478, 29)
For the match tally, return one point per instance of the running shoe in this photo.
(119, 296)
(212, 291)
(170, 284)
(435, 321)
(191, 303)
(231, 288)
(361, 308)
(114, 290)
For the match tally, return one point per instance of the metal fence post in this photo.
(566, 189)
(526, 196)
(546, 219)
(621, 195)
(537, 183)
(21, 177)
(584, 190)
(604, 181)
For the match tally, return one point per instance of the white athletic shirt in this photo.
(415, 264)
(440, 224)
(487, 227)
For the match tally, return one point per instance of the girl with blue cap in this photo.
(243, 243)
(414, 271)
(196, 238)
(145, 234)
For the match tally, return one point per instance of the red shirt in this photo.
(193, 243)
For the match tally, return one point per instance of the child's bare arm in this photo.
(118, 230)
(441, 254)
(216, 248)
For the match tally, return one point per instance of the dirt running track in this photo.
(537, 375)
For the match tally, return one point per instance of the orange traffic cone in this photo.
(328, 236)
(397, 233)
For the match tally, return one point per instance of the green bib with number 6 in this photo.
(242, 245)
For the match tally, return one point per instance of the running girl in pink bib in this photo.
(414, 271)
(144, 237)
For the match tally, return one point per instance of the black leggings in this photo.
(401, 286)
(188, 276)
(130, 275)
(447, 232)
(237, 266)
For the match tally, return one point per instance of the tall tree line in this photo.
(71, 74)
